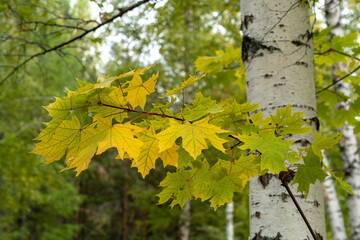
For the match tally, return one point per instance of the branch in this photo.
(120, 14)
(336, 81)
(283, 177)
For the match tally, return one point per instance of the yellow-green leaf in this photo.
(193, 135)
(137, 90)
(184, 84)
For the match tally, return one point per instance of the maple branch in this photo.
(143, 112)
(283, 178)
(338, 80)
(45, 51)
(154, 99)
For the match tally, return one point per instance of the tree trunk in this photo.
(348, 143)
(184, 221)
(278, 57)
(335, 215)
(229, 215)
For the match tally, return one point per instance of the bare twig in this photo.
(120, 14)
(286, 186)
(338, 80)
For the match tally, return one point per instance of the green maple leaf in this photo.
(289, 123)
(175, 187)
(309, 172)
(225, 181)
(273, 149)
(201, 107)
(345, 186)
(321, 141)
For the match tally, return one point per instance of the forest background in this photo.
(111, 200)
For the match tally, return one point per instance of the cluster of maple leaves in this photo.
(111, 114)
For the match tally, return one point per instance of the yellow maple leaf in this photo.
(120, 136)
(170, 156)
(111, 104)
(149, 152)
(193, 135)
(65, 136)
(137, 90)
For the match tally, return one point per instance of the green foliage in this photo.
(79, 135)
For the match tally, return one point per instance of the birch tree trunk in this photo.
(229, 215)
(335, 215)
(278, 57)
(348, 143)
(184, 221)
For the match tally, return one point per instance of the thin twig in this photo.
(338, 80)
(286, 186)
(120, 14)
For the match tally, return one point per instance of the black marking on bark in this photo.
(315, 120)
(303, 142)
(282, 106)
(259, 237)
(279, 84)
(257, 214)
(316, 203)
(265, 179)
(299, 43)
(268, 75)
(251, 46)
(247, 19)
(281, 25)
(302, 63)
(284, 197)
(283, 78)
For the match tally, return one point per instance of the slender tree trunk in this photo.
(184, 221)
(278, 57)
(338, 231)
(229, 212)
(125, 199)
(348, 143)
(335, 215)
(185, 216)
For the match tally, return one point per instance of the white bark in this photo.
(184, 221)
(338, 231)
(229, 215)
(278, 58)
(348, 143)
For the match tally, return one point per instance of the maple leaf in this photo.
(201, 107)
(58, 110)
(273, 149)
(309, 172)
(193, 135)
(111, 102)
(120, 136)
(149, 152)
(80, 154)
(65, 135)
(107, 81)
(289, 123)
(176, 187)
(184, 84)
(321, 141)
(137, 90)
